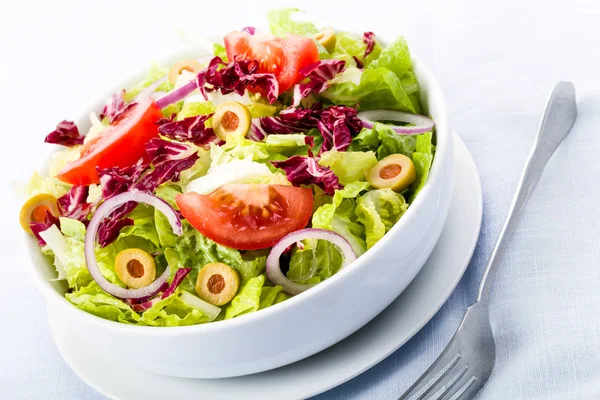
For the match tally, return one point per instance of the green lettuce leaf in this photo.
(268, 296)
(387, 81)
(339, 216)
(200, 168)
(259, 109)
(384, 140)
(171, 109)
(191, 109)
(422, 158)
(378, 210)
(155, 73)
(94, 300)
(164, 233)
(395, 57)
(39, 184)
(248, 298)
(172, 311)
(194, 250)
(315, 262)
(378, 88)
(281, 23)
(253, 264)
(347, 47)
(349, 166)
(72, 228)
(219, 51)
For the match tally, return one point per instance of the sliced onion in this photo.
(274, 269)
(177, 94)
(92, 231)
(421, 123)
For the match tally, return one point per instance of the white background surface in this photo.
(496, 62)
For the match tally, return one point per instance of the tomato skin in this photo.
(205, 213)
(120, 145)
(283, 57)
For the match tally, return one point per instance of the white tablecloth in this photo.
(496, 63)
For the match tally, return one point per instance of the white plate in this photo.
(339, 363)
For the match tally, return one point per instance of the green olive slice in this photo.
(327, 39)
(217, 283)
(36, 208)
(135, 268)
(231, 118)
(396, 172)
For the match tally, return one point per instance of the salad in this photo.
(220, 186)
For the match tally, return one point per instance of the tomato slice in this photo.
(122, 144)
(283, 57)
(248, 216)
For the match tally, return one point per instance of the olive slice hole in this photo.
(390, 171)
(230, 121)
(216, 284)
(135, 268)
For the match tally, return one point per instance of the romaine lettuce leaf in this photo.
(164, 232)
(281, 23)
(259, 109)
(422, 158)
(94, 300)
(349, 166)
(315, 262)
(385, 141)
(219, 51)
(194, 108)
(347, 47)
(268, 296)
(395, 57)
(247, 299)
(194, 250)
(43, 184)
(378, 210)
(171, 311)
(339, 216)
(378, 88)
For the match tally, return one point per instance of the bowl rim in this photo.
(443, 147)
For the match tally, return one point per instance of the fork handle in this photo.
(559, 117)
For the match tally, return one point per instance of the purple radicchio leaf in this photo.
(191, 129)
(65, 134)
(113, 106)
(318, 75)
(168, 159)
(338, 125)
(301, 170)
(74, 204)
(177, 279)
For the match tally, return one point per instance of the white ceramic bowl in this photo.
(296, 328)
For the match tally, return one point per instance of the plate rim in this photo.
(364, 367)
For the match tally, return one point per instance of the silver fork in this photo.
(466, 363)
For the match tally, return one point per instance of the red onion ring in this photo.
(274, 270)
(177, 94)
(92, 231)
(422, 123)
